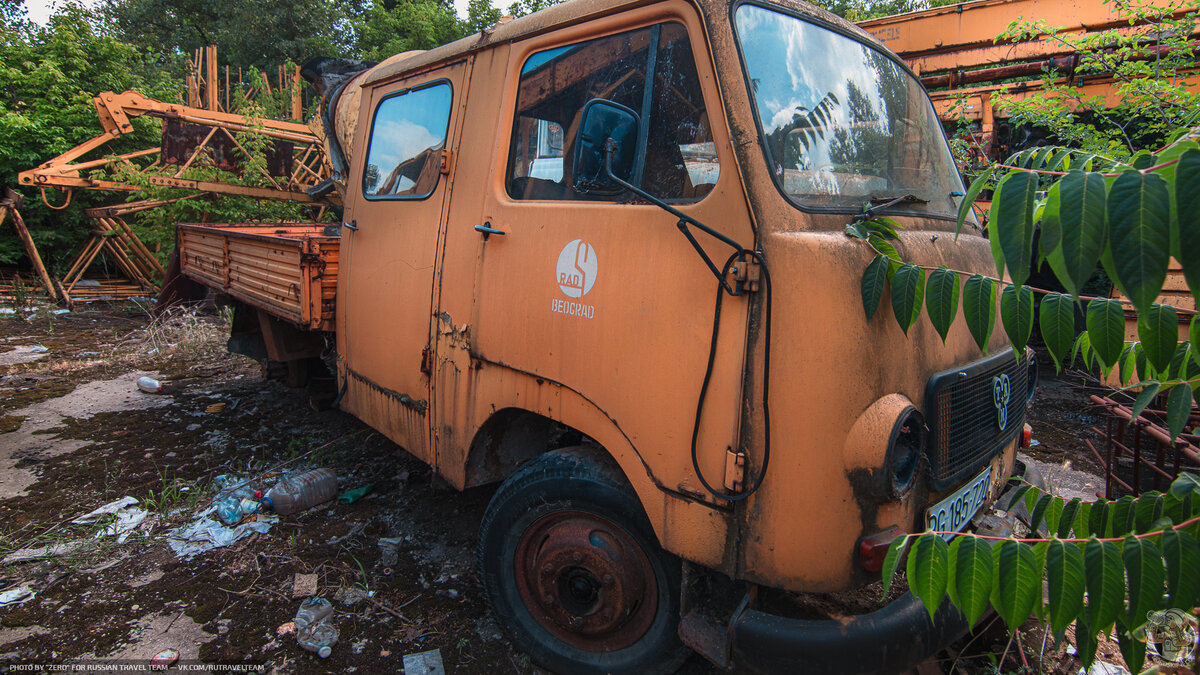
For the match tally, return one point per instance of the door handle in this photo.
(488, 230)
(351, 224)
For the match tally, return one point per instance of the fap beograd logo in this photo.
(575, 274)
(1001, 393)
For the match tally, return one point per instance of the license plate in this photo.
(954, 512)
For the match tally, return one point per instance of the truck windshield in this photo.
(842, 122)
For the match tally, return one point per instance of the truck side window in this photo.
(680, 158)
(407, 135)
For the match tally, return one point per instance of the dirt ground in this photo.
(75, 433)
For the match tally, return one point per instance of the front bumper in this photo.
(892, 639)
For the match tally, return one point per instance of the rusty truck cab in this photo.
(598, 253)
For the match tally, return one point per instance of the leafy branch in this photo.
(1129, 559)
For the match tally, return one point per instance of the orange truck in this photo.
(597, 255)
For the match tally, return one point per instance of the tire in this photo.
(573, 571)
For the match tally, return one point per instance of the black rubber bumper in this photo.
(890, 640)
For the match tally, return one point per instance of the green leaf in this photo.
(1158, 329)
(1082, 519)
(971, 561)
(1064, 577)
(1121, 517)
(1182, 554)
(1179, 405)
(1139, 218)
(1098, 519)
(1132, 650)
(1012, 222)
(927, 561)
(1017, 494)
(1149, 391)
(1187, 209)
(1081, 215)
(1128, 362)
(979, 308)
(891, 560)
(1067, 519)
(1104, 575)
(1085, 642)
(1056, 316)
(873, 281)
(1147, 509)
(1106, 329)
(1016, 311)
(1144, 571)
(968, 200)
(1054, 515)
(1035, 516)
(1049, 226)
(941, 299)
(908, 290)
(1194, 337)
(1018, 583)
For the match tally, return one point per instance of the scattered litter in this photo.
(83, 354)
(204, 533)
(149, 385)
(6, 311)
(51, 551)
(351, 496)
(424, 663)
(389, 552)
(16, 596)
(286, 629)
(314, 632)
(164, 659)
(304, 585)
(128, 518)
(349, 595)
(1033, 442)
(358, 646)
(384, 652)
(59, 312)
(222, 626)
(215, 408)
(38, 349)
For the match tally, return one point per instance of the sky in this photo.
(39, 10)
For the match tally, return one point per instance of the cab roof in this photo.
(566, 14)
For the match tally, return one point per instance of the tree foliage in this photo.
(48, 76)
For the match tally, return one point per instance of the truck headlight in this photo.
(904, 451)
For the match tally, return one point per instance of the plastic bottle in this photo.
(319, 637)
(301, 492)
(149, 385)
(311, 611)
(231, 509)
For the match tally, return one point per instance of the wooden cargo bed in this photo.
(288, 270)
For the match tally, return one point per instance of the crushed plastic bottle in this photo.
(319, 637)
(302, 491)
(149, 385)
(314, 632)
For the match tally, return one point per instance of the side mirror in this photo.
(600, 121)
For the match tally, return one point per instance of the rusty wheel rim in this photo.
(586, 581)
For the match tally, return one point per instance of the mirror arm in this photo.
(610, 147)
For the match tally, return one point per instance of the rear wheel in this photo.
(574, 572)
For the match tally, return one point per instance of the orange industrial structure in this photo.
(954, 51)
(538, 220)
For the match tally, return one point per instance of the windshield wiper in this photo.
(881, 203)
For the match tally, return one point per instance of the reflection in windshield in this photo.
(843, 123)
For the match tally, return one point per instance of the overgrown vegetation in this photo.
(1125, 197)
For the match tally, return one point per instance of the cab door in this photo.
(396, 196)
(598, 293)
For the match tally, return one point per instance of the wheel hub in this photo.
(586, 581)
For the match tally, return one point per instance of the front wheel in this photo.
(572, 569)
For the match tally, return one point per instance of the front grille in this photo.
(964, 431)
